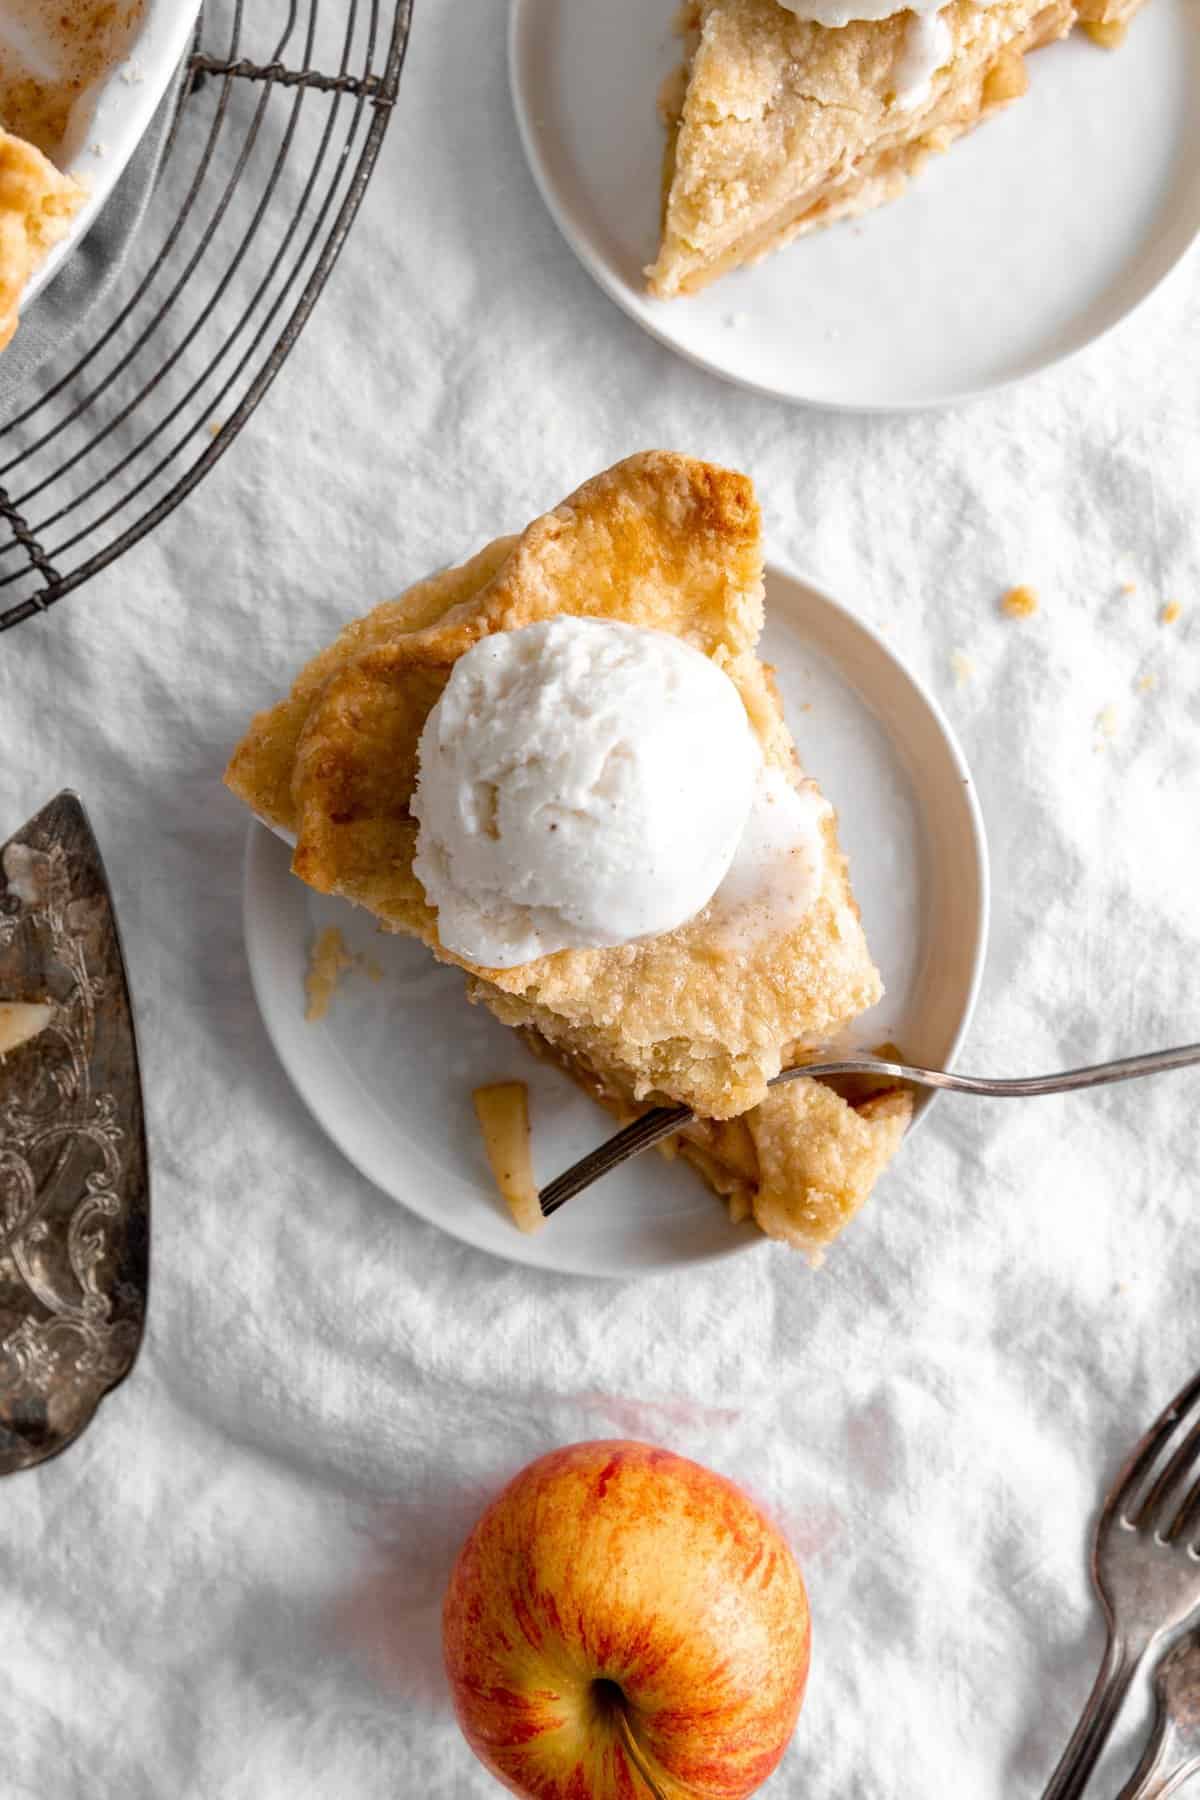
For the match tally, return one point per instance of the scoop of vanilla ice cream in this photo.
(582, 783)
(928, 42)
(836, 13)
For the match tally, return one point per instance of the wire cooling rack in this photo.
(281, 115)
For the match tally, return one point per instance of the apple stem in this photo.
(634, 1752)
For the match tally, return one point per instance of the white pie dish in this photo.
(110, 121)
(388, 1074)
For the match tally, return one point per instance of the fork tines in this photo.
(1164, 1495)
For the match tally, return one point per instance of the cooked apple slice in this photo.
(21, 1020)
(503, 1113)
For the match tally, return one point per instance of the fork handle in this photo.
(1163, 1769)
(1169, 1759)
(1120, 1665)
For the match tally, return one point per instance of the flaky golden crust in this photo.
(819, 1158)
(660, 541)
(37, 205)
(803, 1163)
(783, 125)
(260, 772)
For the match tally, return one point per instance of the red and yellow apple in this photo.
(622, 1622)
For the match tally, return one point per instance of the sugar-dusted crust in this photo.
(659, 540)
(260, 772)
(37, 205)
(782, 125)
(819, 1157)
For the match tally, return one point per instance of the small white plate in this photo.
(1026, 242)
(389, 1072)
(109, 122)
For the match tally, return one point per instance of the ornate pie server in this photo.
(74, 1192)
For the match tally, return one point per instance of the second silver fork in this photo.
(1146, 1568)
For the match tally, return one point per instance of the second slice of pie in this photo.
(777, 124)
(660, 549)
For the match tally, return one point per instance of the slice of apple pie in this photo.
(653, 568)
(37, 204)
(778, 123)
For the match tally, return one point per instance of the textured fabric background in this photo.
(231, 1586)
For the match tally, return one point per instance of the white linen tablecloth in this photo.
(231, 1586)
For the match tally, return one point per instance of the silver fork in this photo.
(1172, 1756)
(1146, 1569)
(654, 1126)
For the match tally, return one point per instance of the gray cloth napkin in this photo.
(90, 273)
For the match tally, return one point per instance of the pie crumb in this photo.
(1006, 80)
(503, 1113)
(327, 963)
(1108, 723)
(1109, 34)
(1019, 603)
(1170, 612)
(962, 666)
(21, 1021)
(1129, 587)
(1147, 684)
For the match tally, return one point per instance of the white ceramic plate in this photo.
(390, 1071)
(109, 121)
(1023, 244)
